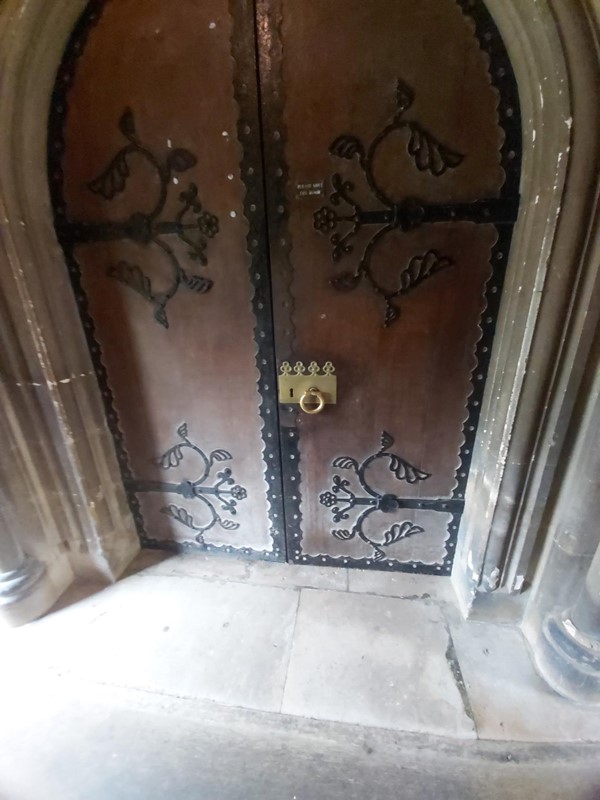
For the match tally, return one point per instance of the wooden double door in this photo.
(317, 189)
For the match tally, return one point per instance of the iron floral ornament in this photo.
(428, 155)
(341, 499)
(193, 224)
(217, 493)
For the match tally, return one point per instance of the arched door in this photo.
(240, 190)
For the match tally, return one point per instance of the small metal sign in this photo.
(310, 189)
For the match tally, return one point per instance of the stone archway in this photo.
(63, 485)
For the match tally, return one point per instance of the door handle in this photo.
(309, 398)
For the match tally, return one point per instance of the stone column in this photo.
(586, 613)
(563, 619)
(20, 574)
(568, 652)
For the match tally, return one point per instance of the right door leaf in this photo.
(402, 118)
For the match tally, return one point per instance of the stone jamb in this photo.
(58, 450)
(549, 306)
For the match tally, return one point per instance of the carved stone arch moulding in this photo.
(524, 417)
(68, 509)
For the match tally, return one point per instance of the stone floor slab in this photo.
(509, 700)
(273, 574)
(401, 584)
(225, 642)
(374, 661)
(211, 566)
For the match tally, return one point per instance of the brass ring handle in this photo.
(309, 394)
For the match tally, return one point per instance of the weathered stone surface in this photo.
(400, 584)
(296, 575)
(225, 642)
(509, 700)
(67, 740)
(374, 661)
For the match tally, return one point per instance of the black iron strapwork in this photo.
(428, 155)
(341, 499)
(223, 492)
(192, 224)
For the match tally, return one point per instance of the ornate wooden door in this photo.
(392, 141)
(361, 157)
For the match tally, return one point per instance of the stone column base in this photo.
(569, 660)
(29, 591)
(18, 583)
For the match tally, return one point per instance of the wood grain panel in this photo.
(171, 65)
(346, 73)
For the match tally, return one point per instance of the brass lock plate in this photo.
(295, 381)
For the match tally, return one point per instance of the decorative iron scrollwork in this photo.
(341, 498)
(429, 155)
(223, 494)
(193, 224)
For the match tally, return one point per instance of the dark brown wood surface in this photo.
(387, 111)
(171, 64)
(340, 68)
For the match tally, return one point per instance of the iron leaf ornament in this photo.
(342, 500)
(429, 155)
(193, 224)
(218, 493)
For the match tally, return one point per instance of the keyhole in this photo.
(291, 392)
